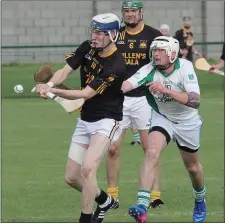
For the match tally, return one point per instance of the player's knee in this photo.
(144, 146)
(114, 150)
(194, 168)
(87, 171)
(152, 154)
(72, 180)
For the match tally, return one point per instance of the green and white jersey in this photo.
(182, 79)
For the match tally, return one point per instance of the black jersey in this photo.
(223, 53)
(135, 49)
(103, 74)
(182, 35)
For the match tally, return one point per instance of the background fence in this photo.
(65, 23)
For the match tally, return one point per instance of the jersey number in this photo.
(131, 45)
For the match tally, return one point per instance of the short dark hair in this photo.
(186, 18)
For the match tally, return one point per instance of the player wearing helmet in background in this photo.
(134, 42)
(173, 92)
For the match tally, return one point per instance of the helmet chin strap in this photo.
(163, 67)
(99, 49)
(133, 25)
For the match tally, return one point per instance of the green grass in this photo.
(35, 140)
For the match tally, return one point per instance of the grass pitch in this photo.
(35, 140)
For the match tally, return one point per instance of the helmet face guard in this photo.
(100, 28)
(135, 5)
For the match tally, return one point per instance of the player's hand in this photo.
(53, 90)
(42, 90)
(199, 55)
(211, 70)
(156, 87)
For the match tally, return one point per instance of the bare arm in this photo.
(191, 99)
(219, 65)
(61, 75)
(137, 79)
(86, 93)
(126, 86)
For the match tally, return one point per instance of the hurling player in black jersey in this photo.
(186, 41)
(133, 42)
(102, 71)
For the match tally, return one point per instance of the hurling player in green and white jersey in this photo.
(173, 92)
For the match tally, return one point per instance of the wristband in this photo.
(50, 84)
(50, 95)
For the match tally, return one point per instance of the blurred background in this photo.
(43, 31)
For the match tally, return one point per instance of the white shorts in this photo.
(185, 134)
(84, 131)
(136, 113)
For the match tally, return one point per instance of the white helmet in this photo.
(106, 22)
(169, 44)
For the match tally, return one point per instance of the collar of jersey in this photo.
(109, 53)
(176, 67)
(135, 33)
(186, 30)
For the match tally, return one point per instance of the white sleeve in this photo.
(139, 77)
(190, 78)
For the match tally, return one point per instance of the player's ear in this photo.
(173, 55)
(113, 34)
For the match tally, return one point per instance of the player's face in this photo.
(160, 57)
(165, 32)
(99, 39)
(187, 23)
(131, 16)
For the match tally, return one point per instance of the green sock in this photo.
(136, 137)
(143, 198)
(199, 193)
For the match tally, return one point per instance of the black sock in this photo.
(102, 198)
(85, 218)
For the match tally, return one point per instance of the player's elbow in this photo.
(126, 86)
(193, 100)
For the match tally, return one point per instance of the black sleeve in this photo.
(157, 33)
(177, 35)
(75, 59)
(109, 74)
(223, 53)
